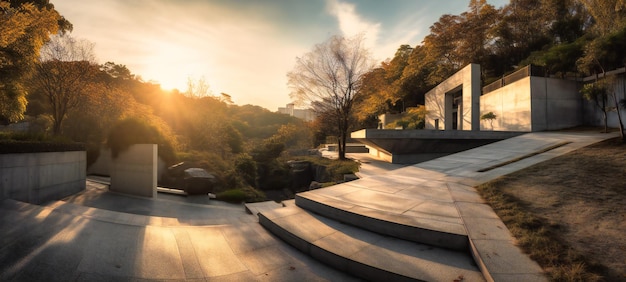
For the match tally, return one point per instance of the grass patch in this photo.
(536, 237)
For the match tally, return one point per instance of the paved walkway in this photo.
(101, 236)
(439, 194)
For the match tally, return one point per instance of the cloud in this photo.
(351, 23)
(382, 41)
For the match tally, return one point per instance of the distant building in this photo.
(304, 114)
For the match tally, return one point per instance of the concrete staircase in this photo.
(448, 234)
(423, 222)
(358, 231)
(365, 254)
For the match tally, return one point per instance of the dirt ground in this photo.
(583, 197)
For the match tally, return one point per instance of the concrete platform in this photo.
(414, 146)
(438, 196)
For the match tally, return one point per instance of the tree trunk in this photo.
(619, 118)
(342, 146)
(56, 127)
(604, 118)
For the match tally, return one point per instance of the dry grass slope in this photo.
(568, 213)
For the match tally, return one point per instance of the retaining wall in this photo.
(41, 177)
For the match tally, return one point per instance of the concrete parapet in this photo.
(40, 177)
(134, 171)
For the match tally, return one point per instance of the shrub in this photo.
(239, 195)
(132, 131)
(23, 142)
(247, 168)
(334, 168)
(413, 118)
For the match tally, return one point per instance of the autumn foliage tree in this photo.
(63, 74)
(566, 37)
(25, 26)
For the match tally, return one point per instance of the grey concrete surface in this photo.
(441, 191)
(98, 235)
(366, 254)
(103, 236)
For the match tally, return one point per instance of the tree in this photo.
(597, 92)
(490, 116)
(63, 74)
(247, 168)
(24, 28)
(198, 88)
(130, 131)
(332, 75)
(521, 30)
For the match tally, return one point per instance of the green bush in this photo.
(224, 170)
(335, 168)
(413, 118)
(132, 131)
(232, 196)
(247, 168)
(23, 142)
(239, 195)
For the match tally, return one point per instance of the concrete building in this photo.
(454, 103)
(304, 114)
(525, 101)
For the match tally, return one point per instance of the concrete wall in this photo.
(386, 119)
(533, 104)
(439, 101)
(102, 166)
(511, 105)
(40, 177)
(134, 171)
(556, 104)
(593, 116)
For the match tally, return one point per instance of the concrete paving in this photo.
(439, 195)
(102, 236)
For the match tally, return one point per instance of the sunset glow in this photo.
(244, 48)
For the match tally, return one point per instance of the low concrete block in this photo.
(134, 171)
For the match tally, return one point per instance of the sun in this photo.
(171, 65)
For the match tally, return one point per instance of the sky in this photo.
(243, 48)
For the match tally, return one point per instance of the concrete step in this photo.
(443, 232)
(365, 254)
(255, 208)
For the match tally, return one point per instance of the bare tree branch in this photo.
(330, 78)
